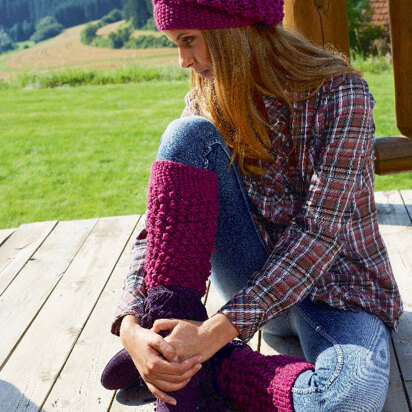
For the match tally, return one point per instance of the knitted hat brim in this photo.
(194, 16)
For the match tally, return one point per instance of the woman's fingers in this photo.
(166, 386)
(162, 347)
(160, 394)
(159, 367)
(164, 324)
(181, 378)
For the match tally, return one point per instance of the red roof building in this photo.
(380, 13)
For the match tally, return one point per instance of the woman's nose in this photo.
(185, 58)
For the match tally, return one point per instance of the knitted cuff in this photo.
(182, 211)
(287, 370)
(262, 383)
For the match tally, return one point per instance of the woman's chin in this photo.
(207, 74)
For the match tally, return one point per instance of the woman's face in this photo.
(193, 51)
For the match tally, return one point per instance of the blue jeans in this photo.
(350, 350)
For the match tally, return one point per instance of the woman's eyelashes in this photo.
(186, 41)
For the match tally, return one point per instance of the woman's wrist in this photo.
(219, 330)
(129, 321)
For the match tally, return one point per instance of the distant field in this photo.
(67, 50)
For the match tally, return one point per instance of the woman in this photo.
(279, 134)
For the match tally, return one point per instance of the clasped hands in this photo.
(168, 364)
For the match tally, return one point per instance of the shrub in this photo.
(371, 64)
(84, 76)
(88, 34)
(101, 41)
(149, 42)
(112, 17)
(120, 37)
(150, 25)
(6, 43)
(362, 33)
(46, 27)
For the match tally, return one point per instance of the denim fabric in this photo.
(350, 350)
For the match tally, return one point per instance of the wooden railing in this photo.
(325, 22)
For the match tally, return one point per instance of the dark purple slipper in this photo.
(121, 373)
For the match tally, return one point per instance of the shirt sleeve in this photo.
(134, 291)
(310, 243)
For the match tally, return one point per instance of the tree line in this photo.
(20, 18)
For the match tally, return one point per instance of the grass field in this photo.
(74, 153)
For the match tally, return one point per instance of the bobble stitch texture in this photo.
(181, 225)
(213, 14)
(263, 383)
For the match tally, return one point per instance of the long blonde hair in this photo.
(252, 62)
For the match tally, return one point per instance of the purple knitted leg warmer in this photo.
(255, 382)
(181, 226)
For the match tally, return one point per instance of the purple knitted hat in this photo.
(215, 14)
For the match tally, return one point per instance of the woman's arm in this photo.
(134, 291)
(310, 243)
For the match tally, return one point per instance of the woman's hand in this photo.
(156, 360)
(190, 338)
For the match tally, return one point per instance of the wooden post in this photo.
(400, 12)
(321, 21)
(325, 22)
(394, 154)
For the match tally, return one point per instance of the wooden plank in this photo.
(78, 388)
(15, 253)
(402, 340)
(5, 234)
(395, 399)
(321, 21)
(407, 199)
(391, 166)
(393, 155)
(396, 228)
(392, 214)
(35, 364)
(25, 296)
(387, 148)
(400, 12)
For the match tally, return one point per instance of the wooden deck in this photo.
(59, 285)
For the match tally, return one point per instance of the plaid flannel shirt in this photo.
(315, 210)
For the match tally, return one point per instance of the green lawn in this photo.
(75, 153)
(381, 86)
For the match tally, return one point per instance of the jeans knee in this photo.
(360, 385)
(186, 140)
